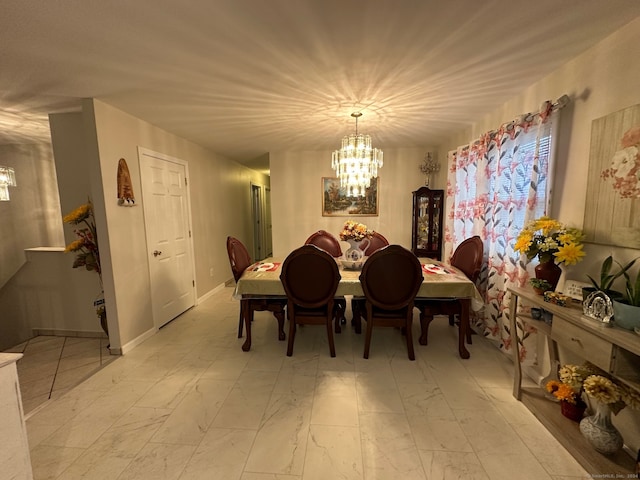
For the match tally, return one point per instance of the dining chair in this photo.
(376, 242)
(239, 259)
(467, 258)
(310, 278)
(390, 280)
(330, 244)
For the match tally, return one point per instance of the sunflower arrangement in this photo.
(86, 245)
(569, 388)
(355, 231)
(550, 240)
(596, 384)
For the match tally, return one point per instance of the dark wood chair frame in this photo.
(330, 244)
(310, 277)
(467, 258)
(390, 280)
(376, 242)
(239, 259)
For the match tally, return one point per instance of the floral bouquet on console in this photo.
(86, 245)
(550, 240)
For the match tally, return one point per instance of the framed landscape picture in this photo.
(612, 213)
(336, 203)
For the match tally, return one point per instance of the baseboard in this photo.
(59, 332)
(127, 347)
(210, 293)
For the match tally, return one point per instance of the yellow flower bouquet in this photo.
(550, 240)
(86, 245)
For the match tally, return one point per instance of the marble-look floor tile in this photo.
(555, 459)
(432, 433)
(281, 441)
(221, 454)
(48, 462)
(190, 420)
(513, 464)
(269, 476)
(158, 462)
(330, 409)
(389, 451)
(333, 452)
(453, 466)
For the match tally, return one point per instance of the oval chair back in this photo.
(390, 279)
(327, 242)
(310, 277)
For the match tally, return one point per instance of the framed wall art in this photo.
(612, 211)
(336, 203)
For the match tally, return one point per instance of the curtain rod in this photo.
(559, 104)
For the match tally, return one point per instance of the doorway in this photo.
(167, 218)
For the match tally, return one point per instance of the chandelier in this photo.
(7, 179)
(356, 163)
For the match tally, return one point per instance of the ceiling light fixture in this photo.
(7, 179)
(356, 163)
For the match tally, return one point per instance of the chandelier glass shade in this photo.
(356, 163)
(7, 179)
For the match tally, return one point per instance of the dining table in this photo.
(440, 281)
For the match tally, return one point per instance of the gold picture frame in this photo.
(612, 210)
(336, 202)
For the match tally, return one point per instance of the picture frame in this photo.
(337, 203)
(612, 209)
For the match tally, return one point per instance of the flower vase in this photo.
(101, 312)
(600, 432)
(549, 271)
(355, 252)
(573, 411)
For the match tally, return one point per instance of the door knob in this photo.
(156, 253)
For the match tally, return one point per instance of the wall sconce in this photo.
(7, 179)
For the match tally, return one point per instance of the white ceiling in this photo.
(248, 77)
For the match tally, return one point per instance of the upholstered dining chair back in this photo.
(376, 242)
(327, 242)
(239, 260)
(467, 257)
(390, 279)
(310, 277)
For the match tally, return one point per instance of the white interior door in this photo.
(167, 223)
(258, 222)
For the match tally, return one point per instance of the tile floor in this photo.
(51, 366)
(189, 404)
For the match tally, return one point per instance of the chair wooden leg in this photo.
(425, 320)
(452, 320)
(241, 320)
(367, 338)
(332, 345)
(292, 335)
(412, 355)
(280, 318)
(247, 314)
(338, 315)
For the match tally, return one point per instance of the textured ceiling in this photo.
(248, 77)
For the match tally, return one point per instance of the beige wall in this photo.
(296, 196)
(602, 80)
(220, 206)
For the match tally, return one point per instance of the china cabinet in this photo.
(426, 230)
(614, 350)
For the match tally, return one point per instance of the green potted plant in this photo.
(607, 277)
(626, 313)
(540, 285)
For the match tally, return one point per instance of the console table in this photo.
(614, 350)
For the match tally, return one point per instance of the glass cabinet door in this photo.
(426, 238)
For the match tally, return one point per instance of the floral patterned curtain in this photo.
(494, 186)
